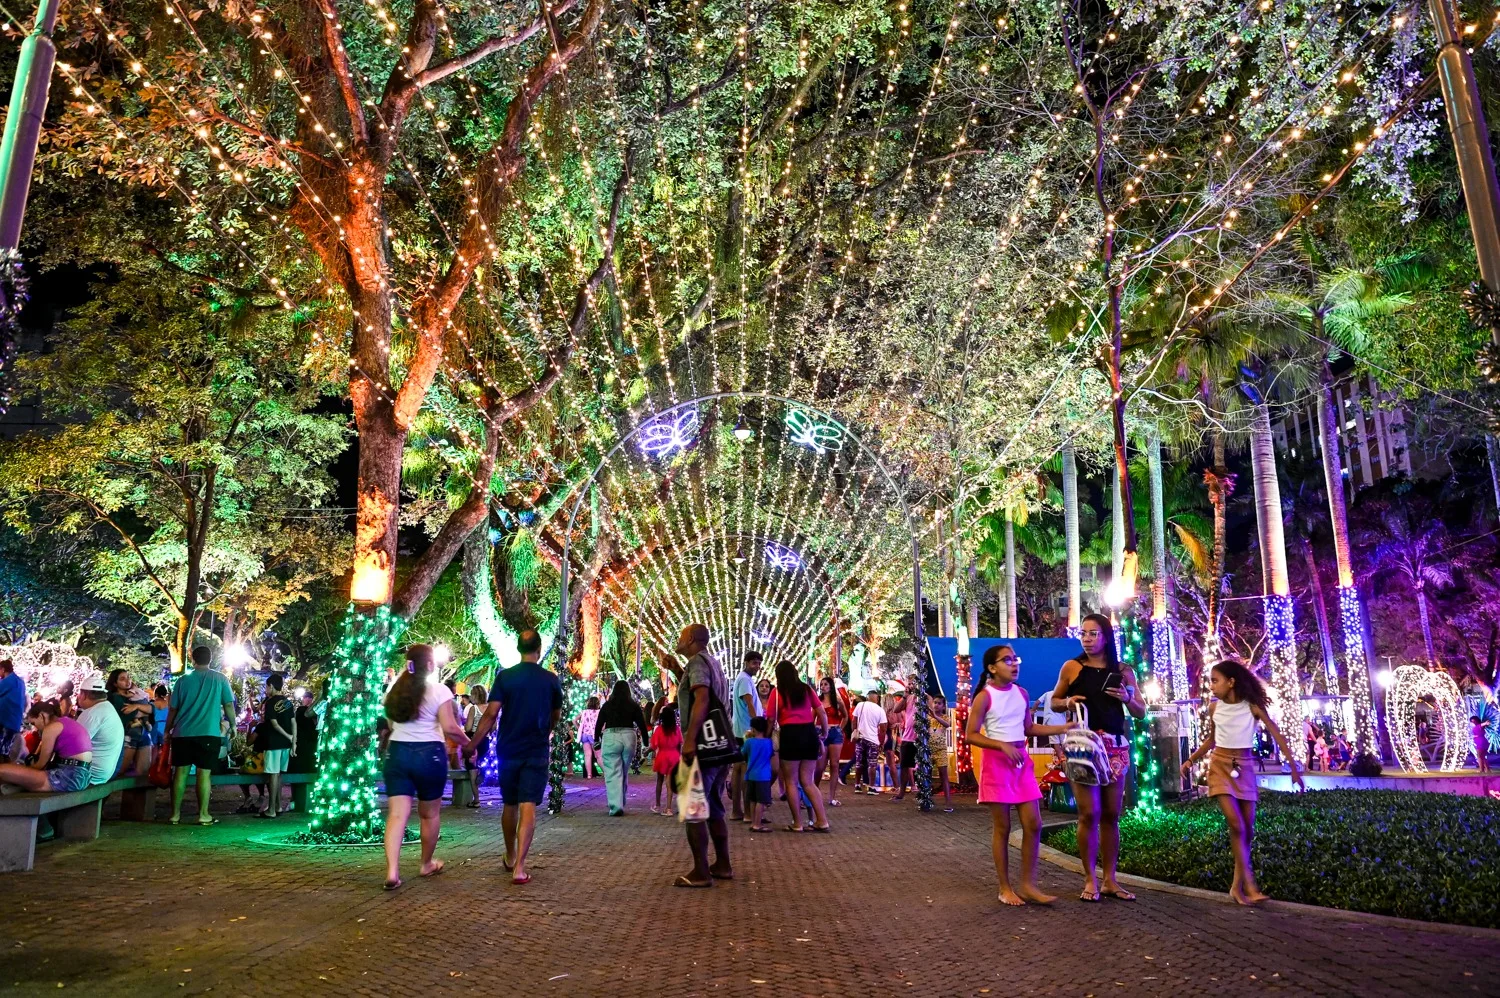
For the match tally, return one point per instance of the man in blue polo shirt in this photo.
(526, 700)
(12, 707)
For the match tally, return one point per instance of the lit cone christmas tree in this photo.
(342, 807)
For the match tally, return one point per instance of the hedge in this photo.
(1434, 857)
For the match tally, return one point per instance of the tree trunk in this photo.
(1281, 629)
(1493, 453)
(1117, 530)
(1361, 436)
(1320, 615)
(1220, 486)
(479, 590)
(1163, 659)
(1012, 627)
(1426, 625)
(972, 609)
(1362, 692)
(591, 624)
(378, 501)
(1070, 528)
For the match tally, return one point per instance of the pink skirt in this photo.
(1003, 782)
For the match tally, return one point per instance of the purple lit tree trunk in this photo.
(1351, 612)
(1281, 632)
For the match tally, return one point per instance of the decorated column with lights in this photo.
(922, 726)
(1142, 749)
(964, 777)
(342, 806)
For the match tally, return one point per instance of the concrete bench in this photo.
(77, 819)
(463, 786)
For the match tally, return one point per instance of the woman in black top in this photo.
(1106, 689)
(620, 728)
(305, 760)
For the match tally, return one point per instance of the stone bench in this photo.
(463, 786)
(80, 810)
(77, 821)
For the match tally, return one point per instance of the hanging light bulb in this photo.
(742, 431)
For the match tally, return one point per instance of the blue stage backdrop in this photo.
(1041, 661)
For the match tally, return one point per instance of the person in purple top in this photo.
(63, 755)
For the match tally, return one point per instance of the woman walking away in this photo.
(795, 710)
(60, 763)
(421, 713)
(1240, 702)
(999, 723)
(617, 731)
(588, 719)
(833, 742)
(666, 742)
(1106, 689)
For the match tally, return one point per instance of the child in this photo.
(1481, 742)
(937, 745)
(1241, 702)
(757, 753)
(666, 742)
(1000, 721)
(1321, 748)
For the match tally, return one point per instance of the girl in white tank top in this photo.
(999, 724)
(1241, 703)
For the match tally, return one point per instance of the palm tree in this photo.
(1336, 312)
(1306, 513)
(1409, 545)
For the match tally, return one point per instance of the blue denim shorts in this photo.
(416, 769)
(523, 779)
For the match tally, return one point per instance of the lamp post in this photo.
(1471, 142)
(28, 103)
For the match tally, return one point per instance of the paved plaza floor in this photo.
(893, 903)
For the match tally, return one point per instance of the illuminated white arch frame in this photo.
(564, 635)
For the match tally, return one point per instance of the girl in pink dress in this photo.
(999, 724)
(666, 742)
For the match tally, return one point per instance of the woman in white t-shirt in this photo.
(421, 711)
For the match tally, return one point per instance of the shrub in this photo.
(1390, 852)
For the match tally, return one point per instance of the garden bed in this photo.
(1434, 857)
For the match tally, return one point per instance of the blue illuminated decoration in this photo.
(808, 431)
(667, 434)
(782, 557)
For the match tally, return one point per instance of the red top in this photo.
(785, 713)
(666, 744)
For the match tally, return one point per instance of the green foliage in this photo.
(1390, 852)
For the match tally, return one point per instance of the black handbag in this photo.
(716, 744)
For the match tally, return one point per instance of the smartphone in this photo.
(1113, 681)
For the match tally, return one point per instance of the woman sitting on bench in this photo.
(61, 761)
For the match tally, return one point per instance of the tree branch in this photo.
(487, 48)
(333, 43)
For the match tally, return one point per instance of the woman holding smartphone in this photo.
(1106, 689)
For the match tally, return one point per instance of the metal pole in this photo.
(1471, 142)
(28, 103)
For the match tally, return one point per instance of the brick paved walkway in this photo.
(894, 903)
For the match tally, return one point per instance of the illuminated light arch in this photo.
(1410, 685)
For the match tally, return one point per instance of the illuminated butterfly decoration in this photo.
(766, 609)
(761, 637)
(669, 433)
(810, 432)
(782, 557)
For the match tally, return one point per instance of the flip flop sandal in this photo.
(794, 828)
(509, 866)
(687, 882)
(1118, 895)
(523, 879)
(761, 831)
(434, 872)
(721, 876)
(174, 821)
(390, 885)
(823, 830)
(210, 821)
(834, 803)
(1091, 898)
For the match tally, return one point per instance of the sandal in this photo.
(1119, 894)
(761, 830)
(685, 881)
(436, 869)
(391, 885)
(1092, 897)
(524, 878)
(823, 829)
(794, 828)
(834, 803)
(210, 821)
